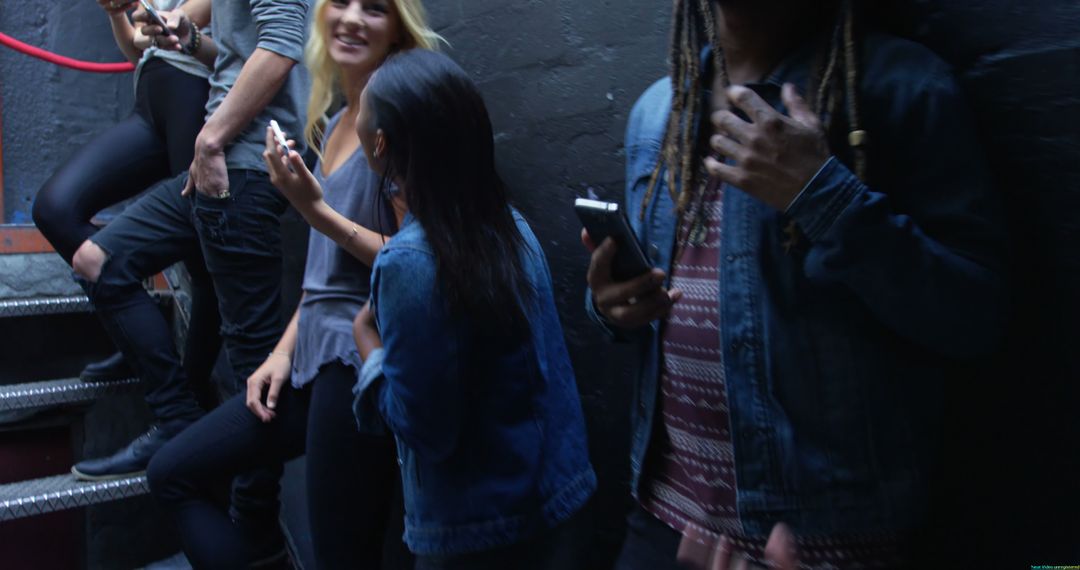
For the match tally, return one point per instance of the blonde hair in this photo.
(325, 74)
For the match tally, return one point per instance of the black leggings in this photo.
(353, 484)
(155, 142)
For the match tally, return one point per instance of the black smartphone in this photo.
(606, 219)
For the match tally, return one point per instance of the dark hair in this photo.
(836, 80)
(441, 147)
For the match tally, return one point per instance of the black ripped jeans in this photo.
(239, 237)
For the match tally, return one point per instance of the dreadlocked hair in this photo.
(835, 82)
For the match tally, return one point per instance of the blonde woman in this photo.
(299, 400)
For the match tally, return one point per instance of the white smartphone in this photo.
(279, 136)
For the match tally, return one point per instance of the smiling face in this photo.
(361, 33)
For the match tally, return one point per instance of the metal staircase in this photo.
(49, 419)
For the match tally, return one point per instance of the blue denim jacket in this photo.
(491, 445)
(835, 354)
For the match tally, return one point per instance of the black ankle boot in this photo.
(132, 459)
(112, 368)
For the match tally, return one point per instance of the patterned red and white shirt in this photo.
(689, 476)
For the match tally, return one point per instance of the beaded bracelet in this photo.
(194, 43)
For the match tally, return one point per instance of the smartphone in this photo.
(606, 219)
(155, 17)
(279, 136)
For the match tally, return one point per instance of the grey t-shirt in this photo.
(239, 27)
(336, 284)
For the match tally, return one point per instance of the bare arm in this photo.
(259, 81)
(198, 11)
(124, 34)
(291, 176)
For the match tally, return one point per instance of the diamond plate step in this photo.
(57, 392)
(36, 306)
(61, 492)
(45, 306)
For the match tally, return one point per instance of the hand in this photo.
(366, 332)
(208, 173)
(140, 40)
(627, 304)
(298, 184)
(176, 35)
(269, 377)
(774, 156)
(700, 550)
(114, 7)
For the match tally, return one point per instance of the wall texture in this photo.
(48, 112)
(559, 77)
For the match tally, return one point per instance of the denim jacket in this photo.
(491, 444)
(835, 353)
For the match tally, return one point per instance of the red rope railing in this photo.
(63, 61)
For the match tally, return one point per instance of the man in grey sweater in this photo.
(224, 208)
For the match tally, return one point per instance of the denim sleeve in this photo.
(281, 26)
(926, 252)
(366, 394)
(414, 380)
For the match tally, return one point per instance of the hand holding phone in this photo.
(605, 219)
(626, 290)
(279, 137)
(155, 17)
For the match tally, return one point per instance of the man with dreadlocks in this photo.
(824, 265)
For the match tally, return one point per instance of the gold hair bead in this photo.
(857, 138)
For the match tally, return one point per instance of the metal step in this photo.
(61, 492)
(58, 305)
(45, 306)
(57, 392)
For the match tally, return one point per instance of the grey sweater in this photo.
(239, 27)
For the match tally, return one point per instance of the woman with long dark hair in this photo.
(464, 355)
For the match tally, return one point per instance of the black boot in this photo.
(132, 459)
(112, 368)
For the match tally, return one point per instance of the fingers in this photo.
(721, 555)
(189, 184)
(587, 241)
(650, 307)
(728, 173)
(797, 107)
(599, 272)
(276, 383)
(631, 291)
(253, 400)
(780, 551)
(695, 548)
(730, 124)
(751, 103)
(726, 146)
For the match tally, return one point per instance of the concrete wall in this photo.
(49, 112)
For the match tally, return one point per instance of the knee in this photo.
(88, 261)
(46, 212)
